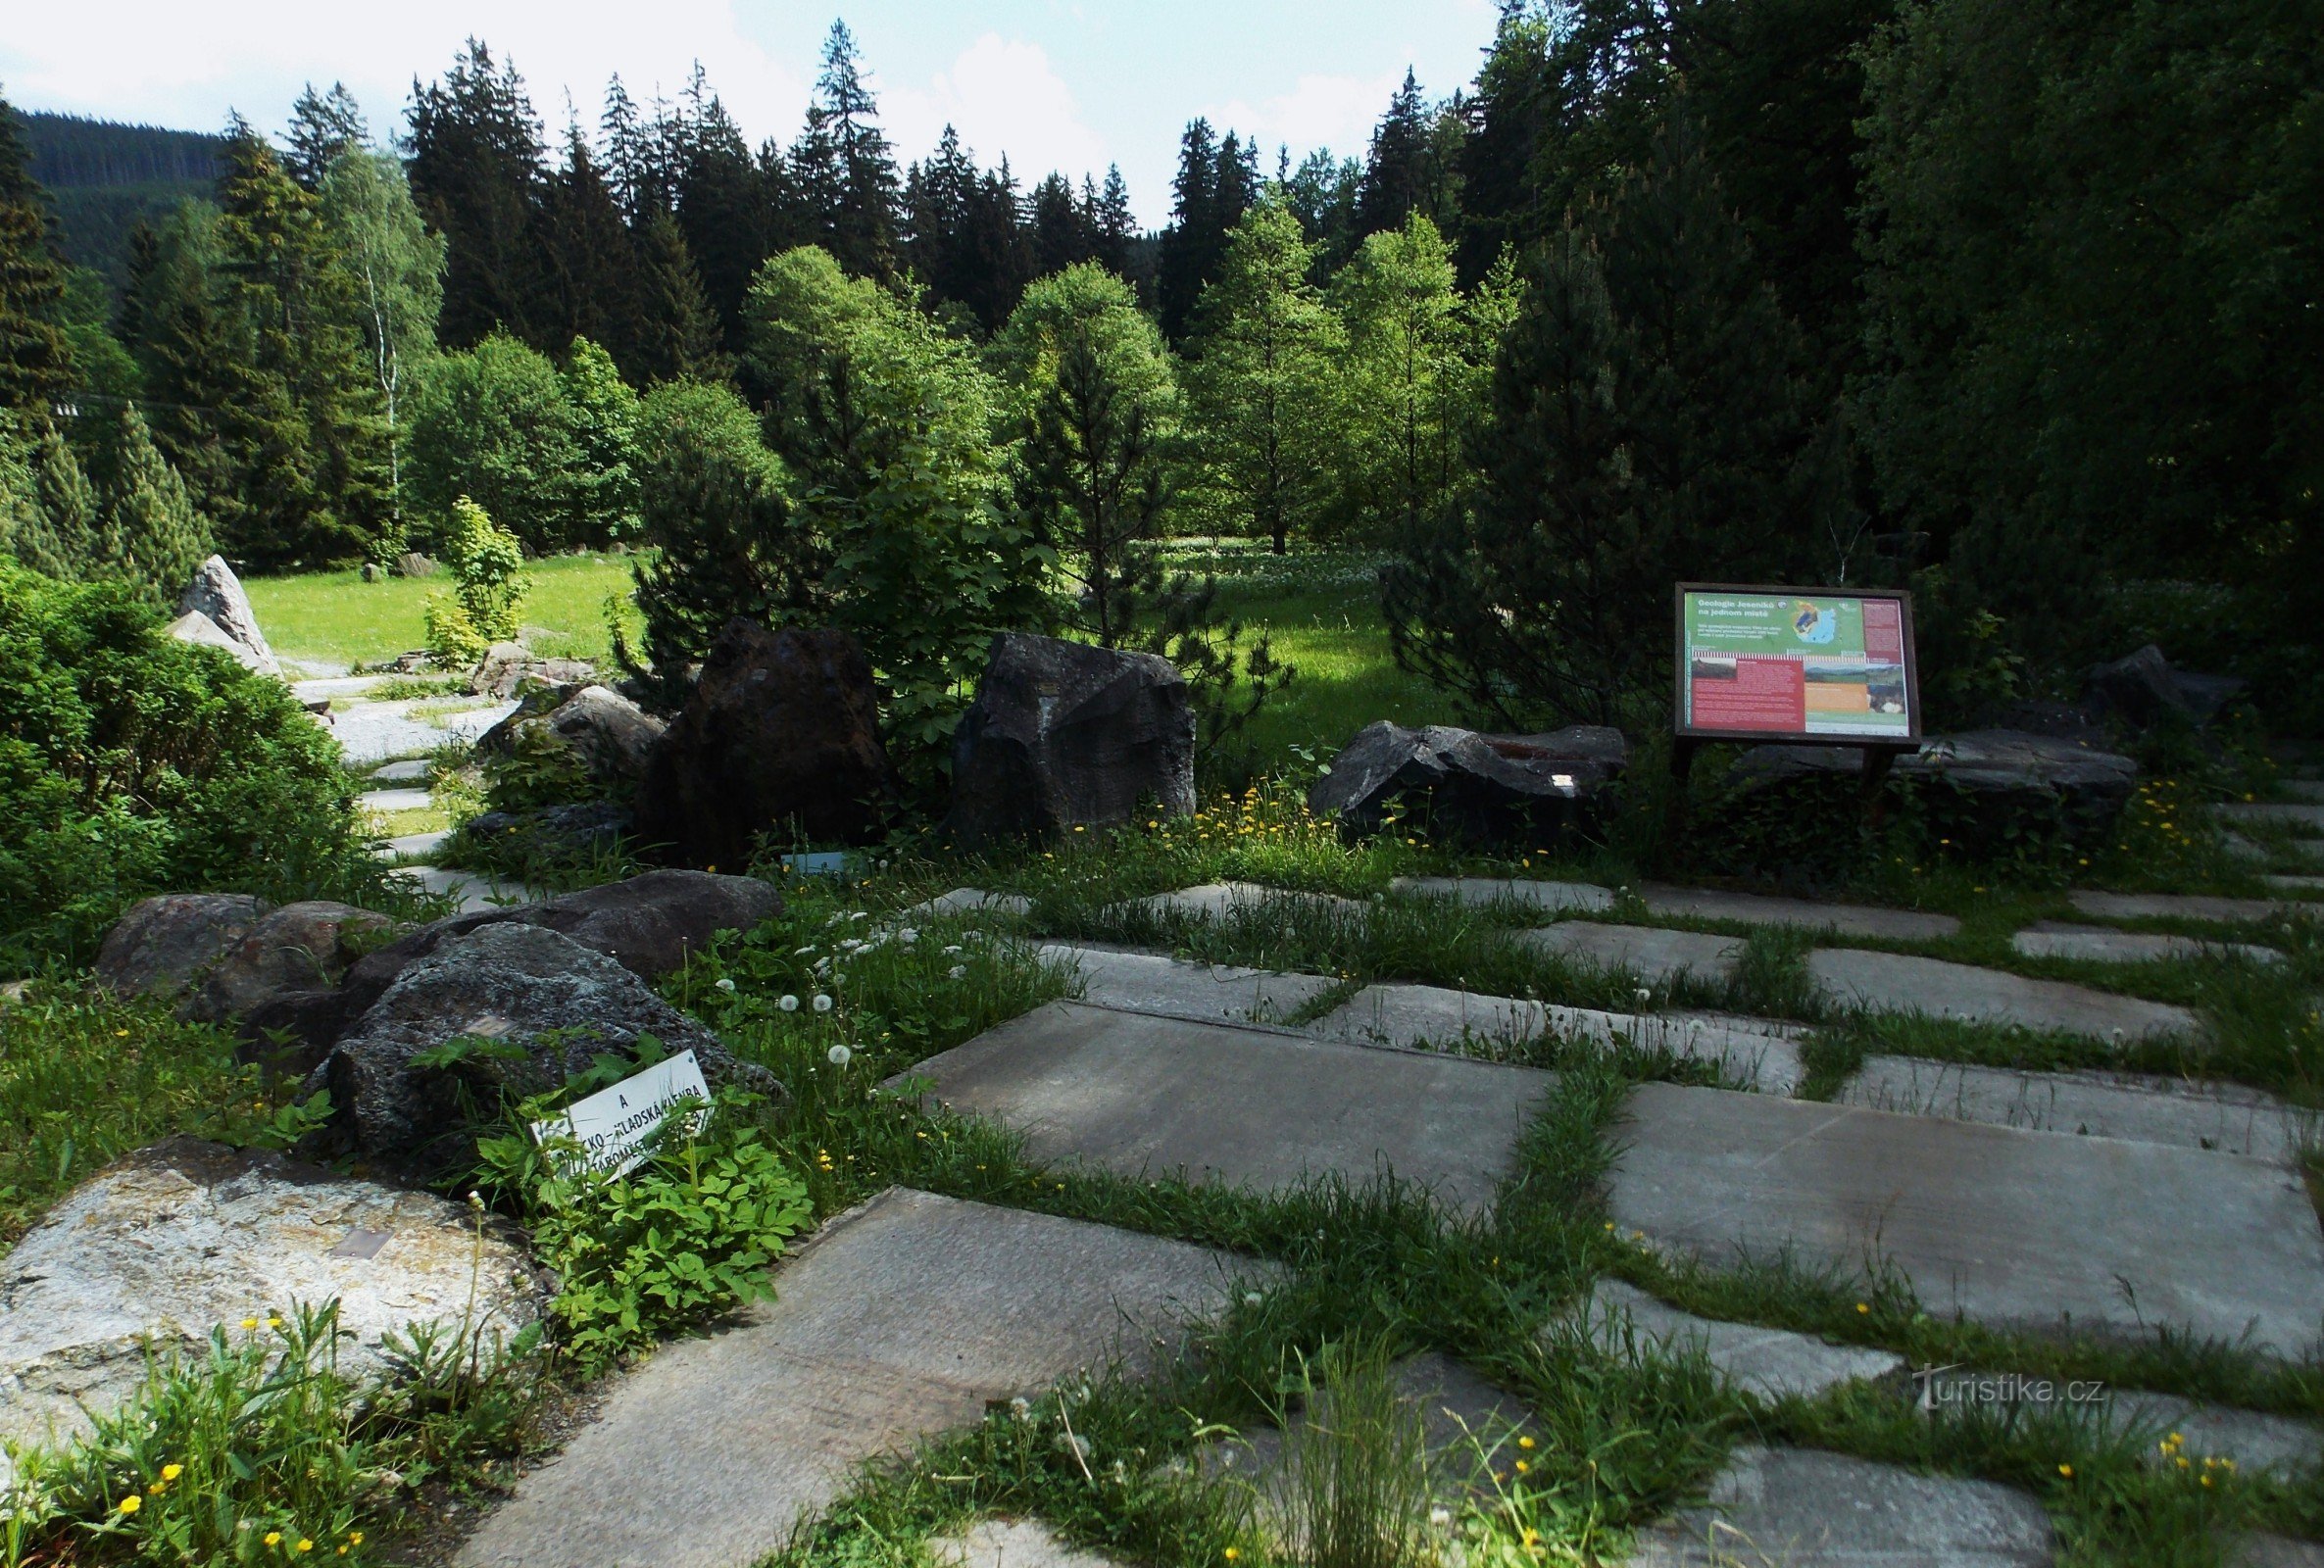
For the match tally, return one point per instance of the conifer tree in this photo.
(67, 501)
(721, 207)
(1397, 177)
(323, 128)
(1117, 226)
(35, 358)
(1063, 231)
(593, 284)
(672, 332)
(847, 172)
(147, 531)
(475, 171)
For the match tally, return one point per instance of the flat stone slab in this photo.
(1895, 982)
(971, 900)
(413, 770)
(2049, 939)
(2297, 885)
(903, 1318)
(2260, 1549)
(1171, 988)
(2006, 1226)
(1011, 1544)
(1756, 908)
(1652, 954)
(2302, 818)
(2251, 1439)
(1254, 1108)
(2171, 906)
(375, 732)
(1482, 892)
(411, 844)
(1802, 1509)
(396, 801)
(2302, 789)
(2139, 1107)
(1623, 1320)
(1752, 1053)
(1219, 901)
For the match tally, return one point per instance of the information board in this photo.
(1807, 665)
(616, 1126)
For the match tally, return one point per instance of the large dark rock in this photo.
(1509, 791)
(604, 734)
(571, 835)
(1065, 735)
(781, 734)
(560, 1004)
(300, 948)
(2143, 690)
(164, 946)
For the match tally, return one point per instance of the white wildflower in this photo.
(726, 983)
(822, 1004)
(956, 971)
(839, 1056)
(789, 1003)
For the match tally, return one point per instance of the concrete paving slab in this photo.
(1481, 892)
(971, 900)
(1171, 988)
(902, 1318)
(2302, 818)
(1218, 901)
(2298, 886)
(1256, 1109)
(2302, 789)
(1623, 1320)
(1895, 982)
(327, 687)
(412, 844)
(1651, 952)
(375, 732)
(2136, 1107)
(1754, 909)
(395, 800)
(2171, 1426)
(1802, 1509)
(412, 771)
(1011, 1544)
(2052, 939)
(2171, 905)
(2260, 1549)
(2003, 1225)
(1752, 1053)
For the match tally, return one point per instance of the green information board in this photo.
(1803, 665)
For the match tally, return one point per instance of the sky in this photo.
(1052, 84)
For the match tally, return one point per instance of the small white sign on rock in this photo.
(616, 1127)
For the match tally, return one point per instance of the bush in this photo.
(487, 591)
(132, 764)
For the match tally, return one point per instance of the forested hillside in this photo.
(104, 178)
(2017, 306)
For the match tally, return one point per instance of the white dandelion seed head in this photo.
(789, 1003)
(839, 1056)
(822, 1004)
(726, 983)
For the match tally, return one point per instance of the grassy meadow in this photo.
(335, 617)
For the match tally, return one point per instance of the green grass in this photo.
(335, 617)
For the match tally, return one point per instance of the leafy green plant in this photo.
(488, 586)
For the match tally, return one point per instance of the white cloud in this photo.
(1334, 112)
(1003, 97)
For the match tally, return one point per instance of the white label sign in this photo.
(615, 1125)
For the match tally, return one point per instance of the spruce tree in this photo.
(672, 333)
(323, 128)
(1062, 232)
(147, 532)
(846, 169)
(1116, 225)
(66, 503)
(1186, 245)
(1397, 175)
(36, 366)
(594, 284)
(476, 172)
(721, 208)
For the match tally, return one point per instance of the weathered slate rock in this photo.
(2142, 1108)
(182, 1236)
(216, 593)
(1171, 988)
(508, 982)
(1558, 897)
(1238, 1107)
(574, 834)
(1653, 954)
(606, 735)
(1757, 909)
(1517, 791)
(781, 732)
(1801, 1509)
(901, 1318)
(511, 669)
(2050, 939)
(164, 944)
(1065, 735)
(298, 947)
(1622, 1320)
(2006, 1226)
(2171, 906)
(1893, 982)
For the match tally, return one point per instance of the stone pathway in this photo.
(2297, 885)
(1220, 900)
(1753, 908)
(476, 891)
(1622, 1320)
(1011, 1544)
(1802, 1509)
(1476, 892)
(1156, 983)
(412, 771)
(2053, 939)
(2125, 1105)
(2303, 818)
(2011, 1227)
(1655, 955)
(382, 802)
(1264, 1111)
(376, 732)
(1895, 982)
(2172, 906)
(903, 1318)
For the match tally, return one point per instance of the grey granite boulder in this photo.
(1063, 735)
(202, 632)
(781, 735)
(164, 944)
(160, 1248)
(514, 985)
(298, 947)
(216, 593)
(511, 669)
(603, 733)
(1513, 791)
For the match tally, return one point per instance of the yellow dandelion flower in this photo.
(274, 1537)
(1232, 1552)
(1864, 1306)
(355, 1538)
(1523, 1466)
(130, 1503)
(2066, 1470)
(305, 1544)
(250, 1323)
(1524, 1443)
(171, 1472)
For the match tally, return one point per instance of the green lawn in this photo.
(336, 617)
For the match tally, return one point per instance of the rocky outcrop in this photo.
(780, 735)
(297, 949)
(543, 1005)
(200, 630)
(216, 595)
(160, 1248)
(1462, 786)
(2143, 690)
(1063, 735)
(164, 946)
(606, 735)
(510, 669)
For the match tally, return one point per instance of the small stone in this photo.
(1516, 792)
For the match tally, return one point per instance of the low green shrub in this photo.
(132, 764)
(488, 587)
